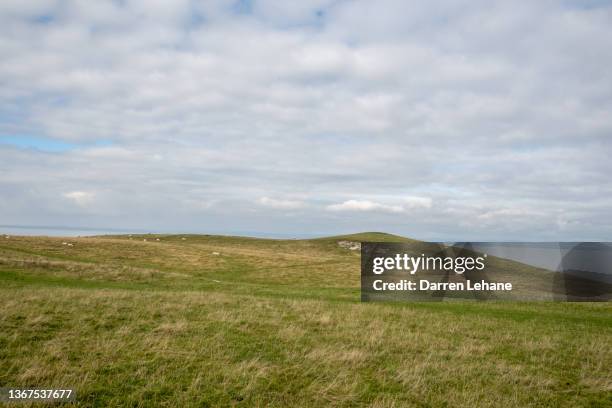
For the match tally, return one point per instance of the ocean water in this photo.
(60, 231)
(64, 231)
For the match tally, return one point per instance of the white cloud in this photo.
(403, 204)
(80, 198)
(365, 205)
(417, 202)
(280, 204)
(458, 102)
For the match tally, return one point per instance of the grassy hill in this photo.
(199, 320)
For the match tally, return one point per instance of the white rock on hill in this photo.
(351, 245)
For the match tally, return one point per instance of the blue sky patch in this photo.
(46, 144)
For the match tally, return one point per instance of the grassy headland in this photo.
(196, 320)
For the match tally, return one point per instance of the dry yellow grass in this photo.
(166, 323)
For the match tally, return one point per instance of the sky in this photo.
(437, 120)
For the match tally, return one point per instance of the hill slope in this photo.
(200, 320)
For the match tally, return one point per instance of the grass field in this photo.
(224, 321)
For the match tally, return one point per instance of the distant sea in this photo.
(66, 231)
(62, 231)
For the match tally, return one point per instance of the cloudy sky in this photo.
(439, 120)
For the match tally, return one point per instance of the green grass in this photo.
(276, 323)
